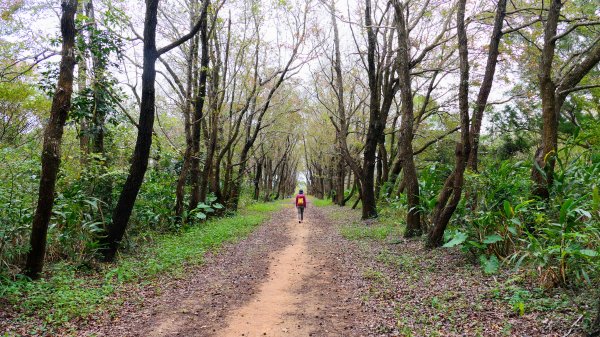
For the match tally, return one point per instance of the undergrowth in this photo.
(321, 202)
(71, 292)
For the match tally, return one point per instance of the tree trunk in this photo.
(61, 104)
(139, 163)
(452, 190)
(359, 195)
(141, 153)
(340, 175)
(486, 85)
(187, 156)
(375, 125)
(351, 194)
(554, 94)
(379, 173)
(104, 187)
(207, 172)
(198, 107)
(84, 139)
(406, 158)
(542, 173)
(342, 131)
(99, 115)
(257, 178)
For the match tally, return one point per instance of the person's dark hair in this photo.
(301, 191)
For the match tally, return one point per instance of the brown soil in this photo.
(285, 279)
(291, 279)
(269, 311)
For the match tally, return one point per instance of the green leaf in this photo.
(512, 229)
(200, 216)
(491, 265)
(217, 206)
(523, 204)
(586, 276)
(588, 252)
(520, 308)
(564, 210)
(458, 238)
(596, 198)
(492, 239)
(508, 211)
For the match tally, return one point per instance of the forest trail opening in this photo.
(284, 279)
(271, 312)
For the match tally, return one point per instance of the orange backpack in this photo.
(301, 201)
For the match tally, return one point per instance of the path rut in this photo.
(271, 311)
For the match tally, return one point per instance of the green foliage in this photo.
(21, 105)
(490, 264)
(321, 202)
(360, 231)
(431, 180)
(202, 211)
(266, 207)
(19, 174)
(558, 238)
(69, 293)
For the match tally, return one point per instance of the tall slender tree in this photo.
(139, 163)
(451, 192)
(413, 219)
(554, 90)
(61, 104)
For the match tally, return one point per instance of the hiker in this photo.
(300, 205)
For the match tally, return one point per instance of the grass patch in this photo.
(360, 231)
(321, 202)
(70, 294)
(401, 262)
(262, 207)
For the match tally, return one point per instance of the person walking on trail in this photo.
(300, 205)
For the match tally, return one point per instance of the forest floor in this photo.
(334, 275)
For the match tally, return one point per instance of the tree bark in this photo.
(342, 130)
(375, 125)
(213, 125)
(99, 114)
(339, 176)
(51, 152)
(554, 94)
(486, 85)
(542, 173)
(351, 194)
(141, 153)
(452, 190)
(187, 156)
(84, 139)
(198, 110)
(139, 163)
(257, 179)
(406, 158)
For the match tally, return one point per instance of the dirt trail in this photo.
(270, 313)
(285, 279)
